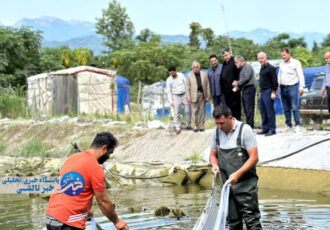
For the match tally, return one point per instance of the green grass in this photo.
(195, 157)
(34, 147)
(2, 148)
(13, 104)
(83, 145)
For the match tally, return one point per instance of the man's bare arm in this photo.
(106, 207)
(214, 161)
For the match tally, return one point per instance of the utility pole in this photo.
(225, 21)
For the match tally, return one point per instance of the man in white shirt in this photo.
(176, 94)
(327, 77)
(289, 75)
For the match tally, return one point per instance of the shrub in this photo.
(13, 104)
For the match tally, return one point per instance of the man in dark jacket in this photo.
(214, 74)
(246, 84)
(229, 74)
(268, 88)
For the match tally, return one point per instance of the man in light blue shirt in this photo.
(327, 77)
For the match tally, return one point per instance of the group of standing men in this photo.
(232, 84)
(192, 92)
(200, 87)
(232, 141)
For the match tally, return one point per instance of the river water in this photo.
(279, 209)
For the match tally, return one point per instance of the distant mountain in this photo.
(260, 36)
(93, 42)
(77, 34)
(175, 38)
(55, 29)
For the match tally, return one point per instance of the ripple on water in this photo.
(279, 210)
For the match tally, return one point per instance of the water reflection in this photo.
(279, 210)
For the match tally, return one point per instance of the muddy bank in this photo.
(135, 144)
(163, 149)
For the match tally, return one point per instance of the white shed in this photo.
(82, 89)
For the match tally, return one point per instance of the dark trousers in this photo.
(267, 111)
(248, 99)
(243, 205)
(63, 227)
(328, 96)
(218, 100)
(233, 101)
(54, 224)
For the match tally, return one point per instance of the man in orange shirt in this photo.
(82, 177)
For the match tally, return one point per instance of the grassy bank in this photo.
(22, 138)
(13, 103)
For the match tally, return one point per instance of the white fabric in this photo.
(220, 223)
(79, 69)
(290, 73)
(153, 97)
(97, 90)
(96, 93)
(209, 214)
(93, 222)
(175, 86)
(40, 92)
(179, 100)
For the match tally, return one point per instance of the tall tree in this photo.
(315, 47)
(274, 45)
(241, 46)
(147, 62)
(145, 35)
(304, 55)
(115, 26)
(194, 36)
(50, 59)
(19, 54)
(294, 43)
(82, 56)
(208, 36)
(326, 41)
(66, 56)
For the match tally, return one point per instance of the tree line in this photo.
(139, 58)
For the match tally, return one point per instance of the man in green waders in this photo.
(234, 154)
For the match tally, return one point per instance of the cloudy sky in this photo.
(174, 16)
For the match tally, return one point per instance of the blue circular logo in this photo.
(72, 183)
